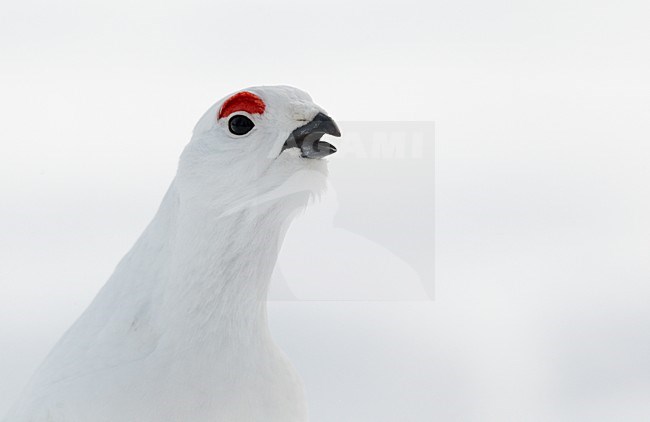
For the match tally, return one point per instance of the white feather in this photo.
(179, 331)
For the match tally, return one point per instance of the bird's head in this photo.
(258, 142)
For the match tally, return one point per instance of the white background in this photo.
(542, 201)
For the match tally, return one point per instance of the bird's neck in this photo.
(219, 270)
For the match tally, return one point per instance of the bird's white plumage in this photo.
(179, 331)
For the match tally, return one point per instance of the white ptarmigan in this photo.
(179, 332)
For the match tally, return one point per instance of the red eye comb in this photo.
(242, 101)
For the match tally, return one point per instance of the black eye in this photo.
(240, 125)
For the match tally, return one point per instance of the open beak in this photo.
(307, 137)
